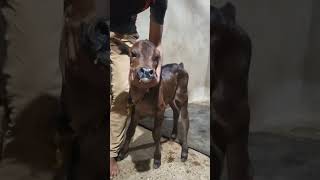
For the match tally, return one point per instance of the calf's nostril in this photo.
(142, 70)
(151, 72)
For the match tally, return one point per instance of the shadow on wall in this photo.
(284, 64)
(34, 134)
(186, 39)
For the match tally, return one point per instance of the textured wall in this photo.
(186, 39)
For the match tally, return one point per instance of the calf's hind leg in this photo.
(176, 114)
(181, 100)
(184, 128)
(183, 111)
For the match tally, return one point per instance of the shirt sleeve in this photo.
(158, 10)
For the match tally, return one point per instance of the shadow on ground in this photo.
(141, 159)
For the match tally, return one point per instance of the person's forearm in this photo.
(155, 36)
(155, 33)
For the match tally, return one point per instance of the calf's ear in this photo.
(130, 55)
(130, 52)
(156, 54)
(156, 57)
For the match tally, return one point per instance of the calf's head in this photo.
(144, 60)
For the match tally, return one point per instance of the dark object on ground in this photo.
(230, 56)
(152, 101)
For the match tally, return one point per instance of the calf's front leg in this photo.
(135, 117)
(157, 137)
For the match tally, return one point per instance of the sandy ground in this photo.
(139, 163)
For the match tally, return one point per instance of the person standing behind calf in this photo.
(123, 28)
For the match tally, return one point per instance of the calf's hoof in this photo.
(122, 155)
(173, 136)
(156, 164)
(184, 156)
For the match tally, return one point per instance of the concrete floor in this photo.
(288, 155)
(138, 165)
(284, 157)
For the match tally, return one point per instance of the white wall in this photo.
(186, 39)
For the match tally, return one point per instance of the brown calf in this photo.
(171, 90)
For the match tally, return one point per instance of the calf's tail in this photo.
(181, 66)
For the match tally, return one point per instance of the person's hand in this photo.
(155, 36)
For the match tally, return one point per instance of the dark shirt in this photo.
(123, 13)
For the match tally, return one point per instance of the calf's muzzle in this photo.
(145, 74)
